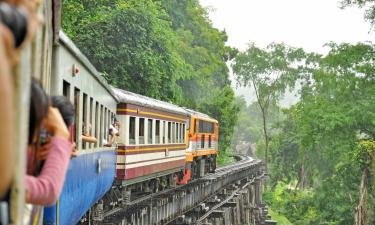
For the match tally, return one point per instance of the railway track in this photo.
(165, 206)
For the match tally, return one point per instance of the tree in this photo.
(269, 72)
(369, 5)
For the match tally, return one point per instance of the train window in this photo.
(76, 119)
(141, 133)
(96, 133)
(178, 133)
(209, 141)
(66, 89)
(132, 130)
(101, 126)
(202, 141)
(183, 133)
(173, 130)
(163, 133)
(149, 131)
(169, 132)
(89, 126)
(84, 117)
(196, 126)
(105, 125)
(157, 131)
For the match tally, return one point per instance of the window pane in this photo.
(132, 130)
(141, 131)
(150, 131)
(157, 131)
(169, 132)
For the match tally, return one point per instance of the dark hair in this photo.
(39, 103)
(65, 107)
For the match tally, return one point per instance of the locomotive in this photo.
(159, 145)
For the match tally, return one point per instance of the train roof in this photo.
(137, 99)
(201, 115)
(68, 43)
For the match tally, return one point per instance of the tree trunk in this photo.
(266, 139)
(361, 213)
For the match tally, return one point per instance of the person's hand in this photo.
(55, 123)
(74, 151)
(42, 152)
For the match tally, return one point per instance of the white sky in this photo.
(300, 23)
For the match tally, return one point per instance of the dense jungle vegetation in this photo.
(165, 49)
(319, 152)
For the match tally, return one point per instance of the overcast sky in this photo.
(300, 23)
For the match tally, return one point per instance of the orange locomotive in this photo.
(202, 149)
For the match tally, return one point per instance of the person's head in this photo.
(39, 103)
(65, 107)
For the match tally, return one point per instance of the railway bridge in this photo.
(230, 196)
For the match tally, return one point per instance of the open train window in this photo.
(141, 133)
(169, 132)
(183, 133)
(89, 125)
(96, 130)
(132, 130)
(84, 117)
(106, 126)
(76, 114)
(101, 126)
(66, 89)
(163, 132)
(157, 131)
(173, 132)
(149, 123)
(178, 133)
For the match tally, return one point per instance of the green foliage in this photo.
(163, 49)
(318, 144)
(369, 6)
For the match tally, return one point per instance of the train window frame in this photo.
(101, 126)
(163, 132)
(150, 127)
(141, 130)
(183, 133)
(77, 124)
(84, 118)
(90, 124)
(157, 131)
(96, 129)
(169, 132)
(132, 130)
(66, 89)
(178, 132)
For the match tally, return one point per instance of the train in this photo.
(159, 144)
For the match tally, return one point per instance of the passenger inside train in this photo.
(66, 109)
(43, 186)
(86, 134)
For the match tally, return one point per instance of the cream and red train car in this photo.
(152, 142)
(203, 134)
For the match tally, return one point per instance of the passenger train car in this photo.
(160, 144)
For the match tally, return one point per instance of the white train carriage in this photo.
(153, 140)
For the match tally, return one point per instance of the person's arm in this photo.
(88, 138)
(45, 189)
(7, 119)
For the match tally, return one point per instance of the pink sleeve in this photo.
(45, 188)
